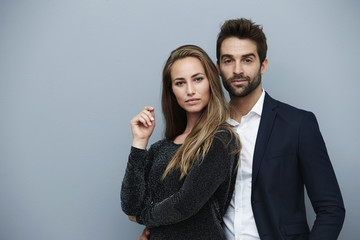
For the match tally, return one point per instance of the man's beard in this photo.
(252, 84)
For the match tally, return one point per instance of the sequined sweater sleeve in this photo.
(134, 186)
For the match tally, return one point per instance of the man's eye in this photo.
(227, 61)
(248, 60)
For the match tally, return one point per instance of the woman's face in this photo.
(190, 84)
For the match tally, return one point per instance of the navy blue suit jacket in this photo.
(290, 153)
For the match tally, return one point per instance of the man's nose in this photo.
(238, 68)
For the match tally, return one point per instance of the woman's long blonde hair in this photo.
(213, 116)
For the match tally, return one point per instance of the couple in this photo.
(198, 184)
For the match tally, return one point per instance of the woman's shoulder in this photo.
(158, 144)
(226, 135)
(225, 132)
(161, 144)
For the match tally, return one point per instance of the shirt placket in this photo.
(239, 200)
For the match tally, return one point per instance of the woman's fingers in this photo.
(142, 126)
(145, 117)
(149, 111)
(145, 120)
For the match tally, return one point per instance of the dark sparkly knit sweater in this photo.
(188, 209)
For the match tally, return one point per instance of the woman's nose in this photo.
(190, 89)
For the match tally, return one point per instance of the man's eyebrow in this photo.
(249, 55)
(226, 55)
(242, 56)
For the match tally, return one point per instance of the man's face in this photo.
(240, 67)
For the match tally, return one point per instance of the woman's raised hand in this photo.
(142, 126)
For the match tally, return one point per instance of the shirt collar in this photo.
(256, 109)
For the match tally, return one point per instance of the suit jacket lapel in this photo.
(264, 132)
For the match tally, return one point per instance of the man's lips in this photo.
(240, 80)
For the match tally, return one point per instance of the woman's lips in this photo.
(193, 101)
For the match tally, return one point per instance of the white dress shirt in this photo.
(239, 222)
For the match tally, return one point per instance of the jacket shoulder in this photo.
(285, 108)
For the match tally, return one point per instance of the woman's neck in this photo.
(191, 119)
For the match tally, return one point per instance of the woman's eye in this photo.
(198, 79)
(179, 83)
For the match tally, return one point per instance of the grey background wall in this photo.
(74, 72)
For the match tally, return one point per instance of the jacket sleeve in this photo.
(199, 185)
(320, 181)
(134, 185)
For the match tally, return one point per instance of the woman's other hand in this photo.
(132, 218)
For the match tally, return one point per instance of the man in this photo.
(282, 151)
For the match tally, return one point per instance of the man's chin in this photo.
(237, 92)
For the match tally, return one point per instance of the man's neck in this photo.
(240, 106)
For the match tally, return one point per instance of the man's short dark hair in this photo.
(243, 29)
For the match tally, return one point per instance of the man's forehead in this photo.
(233, 46)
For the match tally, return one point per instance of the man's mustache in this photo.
(239, 77)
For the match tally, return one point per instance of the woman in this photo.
(182, 185)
